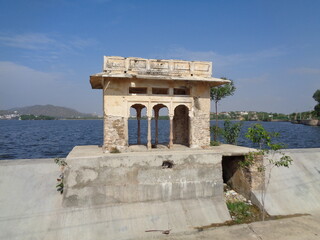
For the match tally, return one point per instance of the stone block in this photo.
(126, 178)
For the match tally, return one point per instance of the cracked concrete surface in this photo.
(295, 228)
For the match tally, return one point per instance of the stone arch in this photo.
(164, 125)
(141, 125)
(182, 104)
(160, 104)
(181, 125)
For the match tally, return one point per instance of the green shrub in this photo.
(60, 180)
(240, 211)
(231, 131)
(215, 143)
(60, 162)
(264, 158)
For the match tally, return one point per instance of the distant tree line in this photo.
(251, 116)
(316, 97)
(33, 117)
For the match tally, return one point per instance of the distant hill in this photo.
(50, 110)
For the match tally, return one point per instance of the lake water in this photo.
(49, 139)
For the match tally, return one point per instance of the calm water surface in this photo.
(48, 139)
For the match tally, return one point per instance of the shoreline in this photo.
(311, 122)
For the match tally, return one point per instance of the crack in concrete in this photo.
(254, 232)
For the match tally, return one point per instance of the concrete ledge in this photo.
(94, 151)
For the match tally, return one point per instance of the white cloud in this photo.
(31, 41)
(48, 46)
(221, 60)
(23, 86)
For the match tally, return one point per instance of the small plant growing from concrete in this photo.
(264, 159)
(239, 211)
(60, 180)
(215, 143)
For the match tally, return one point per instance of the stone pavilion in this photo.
(183, 87)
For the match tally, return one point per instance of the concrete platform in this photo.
(142, 193)
(31, 208)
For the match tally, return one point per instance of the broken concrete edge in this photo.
(232, 222)
(28, 161)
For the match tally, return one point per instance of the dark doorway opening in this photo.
(234, 176)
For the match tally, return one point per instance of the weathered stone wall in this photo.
(114, 132)
(140, 177)
(200, 130)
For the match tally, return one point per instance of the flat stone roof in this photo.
(155, 69)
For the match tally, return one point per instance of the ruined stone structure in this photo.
(183, 87)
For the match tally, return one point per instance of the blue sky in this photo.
(271, 49)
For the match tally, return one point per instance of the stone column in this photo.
(171, 131)
(104, 147)
(138, 128)
(126, 133)
(156, 117)
(191, 129)
(149, 133)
